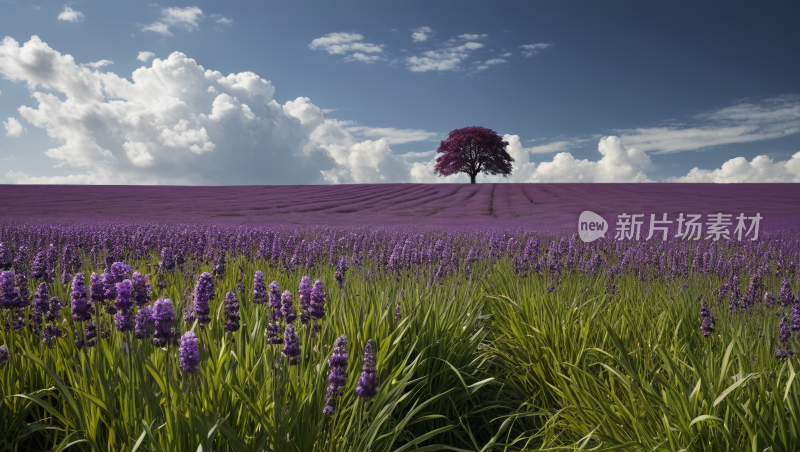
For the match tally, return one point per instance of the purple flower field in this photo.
(529, 206)
(381, 317)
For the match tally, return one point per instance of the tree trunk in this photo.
(472, 178)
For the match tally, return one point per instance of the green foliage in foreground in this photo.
(484, 364)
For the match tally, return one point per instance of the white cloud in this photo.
(446, 59)
(348, 44)
(70, 15)
(225, 21)
(392, 135)
(187, 18)
(742, 123)
(739, 170)
(99, 64)
(421, 34)
(145, 56)
(618, 164)
(495, 61)
(559, 146)
(417, 155)
(13, 127)
(469, 37)
(533, 49)
(505, 55)
(165, 125)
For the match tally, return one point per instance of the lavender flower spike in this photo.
(203, 292)
(232, 312)
(367, 386)
(287, 308)
(337, 376)
(259, 289)
(144, 325)
(80, 308)
(304, 292)
(163, 316)
(275, 297)
(189, 353)
(291, 345)
(317, 308)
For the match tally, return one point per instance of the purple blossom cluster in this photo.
(337, 374)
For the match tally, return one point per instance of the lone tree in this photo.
(473, 150)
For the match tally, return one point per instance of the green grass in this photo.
(491, 363)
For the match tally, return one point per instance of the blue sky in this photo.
(343, 92)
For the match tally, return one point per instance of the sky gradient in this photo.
(362, 92)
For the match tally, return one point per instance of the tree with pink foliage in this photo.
(473, 150)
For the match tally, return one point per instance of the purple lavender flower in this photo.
(40, 306)
(273, 333)
(97, 290)
(91, 334)
(783, 351)
(167, 259)
(203, 292)
(397, 312)
(795, 318)
(4, 356)
(189, 353)
(8, 292)
(80, 308)
(287, 308)
(22, 288)
(232, 312)
(275, 297)
(317, 308)
(367, 385)
(341, 270)
(259, 289)
(39, 265)
(141, 289)
(291, 347)
(5, 256)
(123, 320)
(337, 375)
(304, 292)
(785, 296)
(769, 299)
(163, 316)
(144, 324)
(53, 313)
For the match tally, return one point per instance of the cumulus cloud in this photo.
(145, 56)
(421, 34)
(70, 15)
(532, 49)
(742, 123)
(392, 135)
(447, 58)
(225, 21)
(468, 37)
(486, 64)
(739, 170)
(166, 125)
(13, 127)
(187, 18)
(348, 44)
(99, 64)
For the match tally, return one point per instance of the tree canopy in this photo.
(473, 150)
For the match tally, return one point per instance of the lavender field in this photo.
(396, 318)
